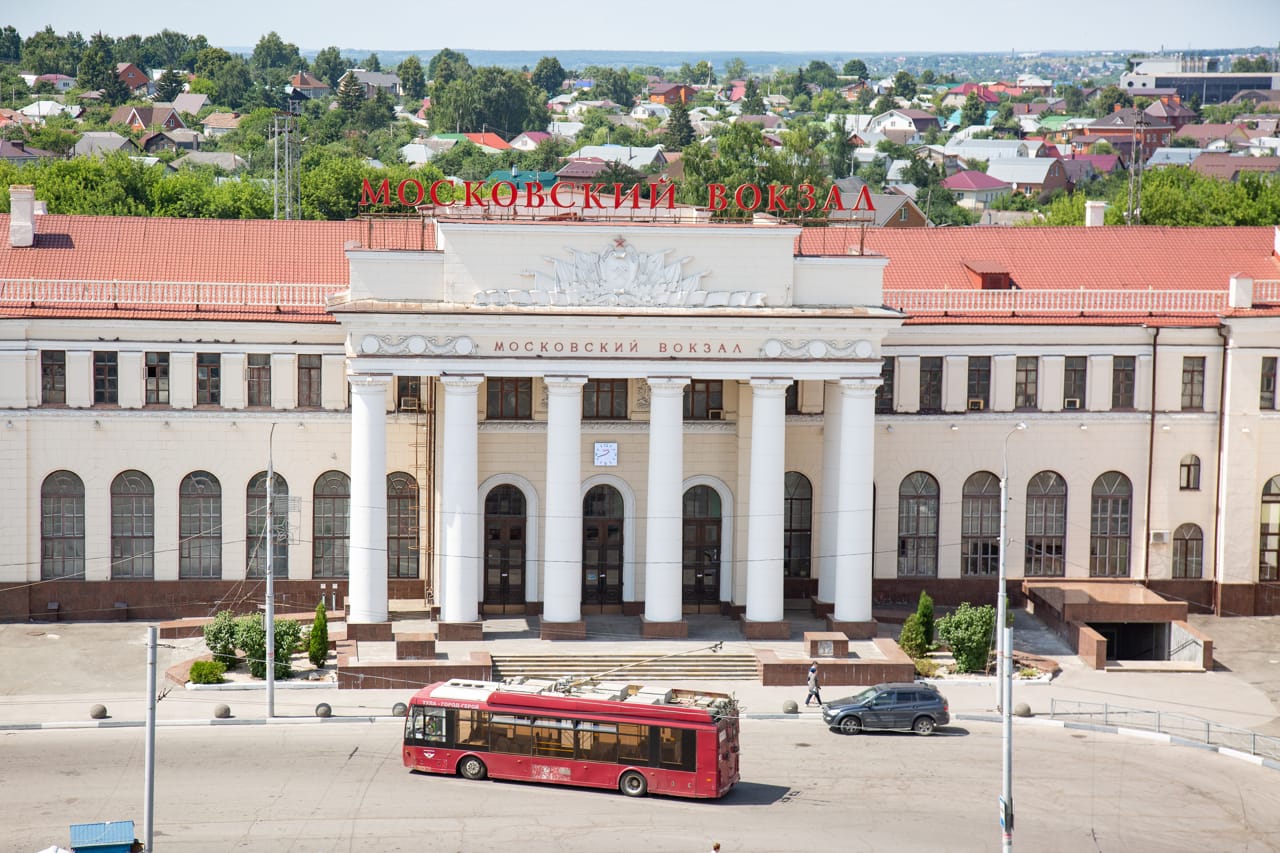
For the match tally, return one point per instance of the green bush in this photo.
(207, 672)
(220, 637)
(924, 609)
(911, 637)
(926, 668)
(251, 637)
(967, 632)
(318, 637)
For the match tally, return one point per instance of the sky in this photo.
(922, 26)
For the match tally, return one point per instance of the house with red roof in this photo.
(140, 118)
(489, 141)
(668, 93)
(958, 95)
(133, 77)
(529, 140)
(974, 189)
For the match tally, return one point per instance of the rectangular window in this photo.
(258, 374)
(208, 379)
(309, 381)
(791, 402)
(1124, 369)
(1267, 397)
(604, 399)
(509, 399)
(704, 400)
(1026, 383)
(157, 364)
(1193, 382)
(409, 394)
(1075, 375)
(53, 377)
(979, 393)
(884, 394)
(931, 384)
(106, 378)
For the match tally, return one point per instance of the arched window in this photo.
(980, 525)
(1046, 536)
(200, 526)
(797, 525)
(133, 533)
(62, 526)
(1189, 473)
(256, 526)
(1188, 552)
(504, 549)
(1269, 532)
(701, 545)
(918, 526)
(331, 525)
(1110, 520)
(402, 526)
(603, 520)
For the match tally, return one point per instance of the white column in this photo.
(460, 528)
(562, 578)
(664, 505)
(368, 566)
(826, 556)
(854, 510)
(764, 516)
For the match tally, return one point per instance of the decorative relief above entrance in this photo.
(619, 275)
(415, 345)
(774, 348)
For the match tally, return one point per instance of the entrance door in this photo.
(504, 545)
(602, 516)
(701, 583)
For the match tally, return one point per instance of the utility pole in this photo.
(149, 772)
(271, 588)
(1004, 657)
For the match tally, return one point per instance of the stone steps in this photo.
(702, 667)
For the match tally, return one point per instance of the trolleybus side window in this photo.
(471, 730)
(426, 725)
(633, 744)
(598, 741)
(510, 734)
(553, 738)
(676, 748)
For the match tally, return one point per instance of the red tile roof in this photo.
(490, 140)
(974, 180)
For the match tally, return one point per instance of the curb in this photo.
(280, 685)
(230, 721)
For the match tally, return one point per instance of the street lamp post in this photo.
(1004, 657)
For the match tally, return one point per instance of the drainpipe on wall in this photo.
(1219, 520)
(1151, 456)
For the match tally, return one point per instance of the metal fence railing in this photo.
(1183, 726)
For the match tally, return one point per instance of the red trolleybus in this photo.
(678, 742)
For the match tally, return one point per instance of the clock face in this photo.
(606, 453)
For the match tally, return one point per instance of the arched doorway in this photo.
(504, 550)
(701, 578)
(602, 518)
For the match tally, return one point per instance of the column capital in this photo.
(863, 386)
(368, 382)
(667, 386)
(770, 386)
(461, 382)
(564, 384)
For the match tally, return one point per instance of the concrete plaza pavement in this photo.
(53, 673)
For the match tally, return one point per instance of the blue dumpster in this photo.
(115, 836)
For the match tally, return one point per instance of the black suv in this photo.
(916, 707)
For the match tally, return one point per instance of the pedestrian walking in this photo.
(813, 684)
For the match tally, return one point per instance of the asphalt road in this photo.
(341, 787)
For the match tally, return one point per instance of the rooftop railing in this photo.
(37, 292)
(1077, 301)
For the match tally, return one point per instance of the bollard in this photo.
(323, 710)
(98, 712)
(399, 710)
(790, 707)
(1022, 709)
(221, 712)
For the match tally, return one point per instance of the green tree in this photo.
(615, 85)
(371, 63)
(43, 53)
(329, 66)
(821, 73)
(10, 45)
(840, 150)
(927, 77)
(924, 610)
(272, 52)
(738, 155)
(967, 632)
(752, 100)
(318, 638)
(679, 131)
(549, 75)
(699, 73)
(862, 102)
(904, 85)
(856, 68)
(1250, 65)
(974, 111)
(229, 75)
(350, 93)
(1073, 99)
(98, 70)
(412, 77)
(447, 66)
(169, 86)
(911, 638)
(166, 49)
(1108, 99)
(735, 69)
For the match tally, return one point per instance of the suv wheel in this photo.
(923, 726)
(850, 725)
